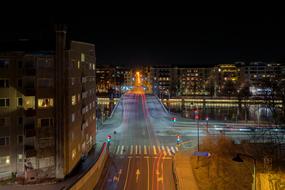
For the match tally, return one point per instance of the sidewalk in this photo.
(183, 171)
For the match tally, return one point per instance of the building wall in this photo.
(28, 115)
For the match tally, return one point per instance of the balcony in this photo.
(30, 130)
(30, 151)
(30, 71)
(30, 112)
(29, 91)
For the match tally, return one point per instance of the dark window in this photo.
(4, 102)
(2, 121)
(4, 83)
(20, 64)
(20, 101)
(44, 122)
(20, 83)
(2, 141)
(20, 139)
(4, 63)
(20, 120)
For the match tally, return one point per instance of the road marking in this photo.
(176, 148)
(168, 151)
(140, 150)
(158, 149)
(144, 149)
(172, 149)
(126, 181)
(117, 177)
(154, 150)
(118, 148)
(131, 150)
(136, 149)
(122, 149)
(137, 175)
(163, 149)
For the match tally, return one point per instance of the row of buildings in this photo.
(47, 106)
(167, 81)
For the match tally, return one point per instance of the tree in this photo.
(229, 89)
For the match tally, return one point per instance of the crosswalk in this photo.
(145, 150)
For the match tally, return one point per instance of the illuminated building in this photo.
(223, 76)
(192, 81)
(47, 108)
(162, 80)
(257, 72)
(104, 80)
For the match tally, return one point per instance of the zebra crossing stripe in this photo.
(140, 150)
(168, 151)
(163, 149)
(118, 148)
(172, 149)
(154, 150)
(158, 149)
(176, 148)
(144, 149)
(136, 149)
(131, 149)
(122, 148)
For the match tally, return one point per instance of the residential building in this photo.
(47, 108)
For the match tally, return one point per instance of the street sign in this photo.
(205, 154)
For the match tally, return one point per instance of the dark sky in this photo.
(182, 41)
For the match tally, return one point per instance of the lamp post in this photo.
(238, 159)
(198, 127)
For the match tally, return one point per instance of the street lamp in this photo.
(237, 158)
(198, 127)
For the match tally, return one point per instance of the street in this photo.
(138, 159)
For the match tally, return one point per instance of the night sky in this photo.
(165, 40)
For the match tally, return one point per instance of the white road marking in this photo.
(122, 149)
(176, 148)
(127, 174)
(172, 149)
(154, 150)
(118, 149)
(158, 149)
(163, 149)
(168, 151)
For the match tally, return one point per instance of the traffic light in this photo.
(178, 139)
(109, 138)
(174, 119)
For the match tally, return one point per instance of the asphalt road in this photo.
(138, 159)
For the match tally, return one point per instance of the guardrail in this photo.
(90, 178)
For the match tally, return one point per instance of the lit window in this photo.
(45, 102)
(73, 154)
(82, 57)
(20, 157)
(73, 100)
(72, 117)
(78, 64)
